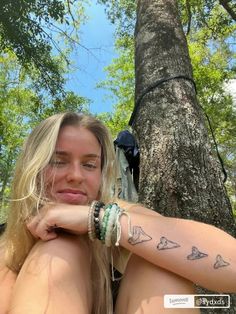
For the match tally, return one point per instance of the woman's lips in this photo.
(72, 196)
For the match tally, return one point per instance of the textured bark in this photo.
(179, 175)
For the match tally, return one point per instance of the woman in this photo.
(55, 252)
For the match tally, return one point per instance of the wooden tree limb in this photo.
(188, 8)
(230, 9)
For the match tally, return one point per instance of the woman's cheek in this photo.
(99, 189)
(49, 181)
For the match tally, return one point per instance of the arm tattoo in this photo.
(220, 262)
(166, 244)
(138, 236)
(196, 254)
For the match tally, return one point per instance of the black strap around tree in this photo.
(152, 87)
(157, 84)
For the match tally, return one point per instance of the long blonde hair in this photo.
(28, 193)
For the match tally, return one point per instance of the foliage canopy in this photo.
(31, 30)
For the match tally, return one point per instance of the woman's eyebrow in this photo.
(60, 152)
(92, 155)
(89, 155)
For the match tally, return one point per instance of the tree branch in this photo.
(71, 39)
(188, 8)
(228, 8)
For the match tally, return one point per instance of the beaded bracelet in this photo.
(104, 223)
(91, 232)
(109, 229)
(97, 207)
(94, 221)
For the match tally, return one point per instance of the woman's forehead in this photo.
(77, 137)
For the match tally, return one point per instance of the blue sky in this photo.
(97, 37)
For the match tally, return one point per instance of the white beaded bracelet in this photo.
(91, 230)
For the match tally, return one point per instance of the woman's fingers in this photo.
(39, 228)
(31, 224)
(71, 218)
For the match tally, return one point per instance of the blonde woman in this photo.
(61, 239)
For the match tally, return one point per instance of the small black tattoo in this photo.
(220, 262)
(166, 244)
(138, 236)
(196, 254)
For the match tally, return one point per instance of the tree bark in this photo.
(179, 175)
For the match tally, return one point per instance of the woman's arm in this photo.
(199, 252)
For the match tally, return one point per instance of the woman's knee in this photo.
(63, 256)
(144, 285)
(55, 275)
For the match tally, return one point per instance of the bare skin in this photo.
(178, 245)
(52, 280)
(55, 277)
(7, 282)
(167, 248)
(144, 285)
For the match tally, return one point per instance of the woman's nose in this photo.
(75, 173)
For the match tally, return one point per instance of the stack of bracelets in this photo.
(108, 230)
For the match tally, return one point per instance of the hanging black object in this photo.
(127, 142)
(2, 228)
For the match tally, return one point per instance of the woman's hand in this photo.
(55, 217)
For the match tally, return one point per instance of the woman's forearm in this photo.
(199, 252)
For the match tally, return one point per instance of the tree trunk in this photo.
(179, 175)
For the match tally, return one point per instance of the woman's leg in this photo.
(55, 278)
(143, 288)
(7, 282)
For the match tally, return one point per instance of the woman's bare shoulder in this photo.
(6, 275)
(7, 281)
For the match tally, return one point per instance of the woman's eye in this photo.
(57, 162)
(90, 165)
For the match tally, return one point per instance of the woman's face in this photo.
(73, 175)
